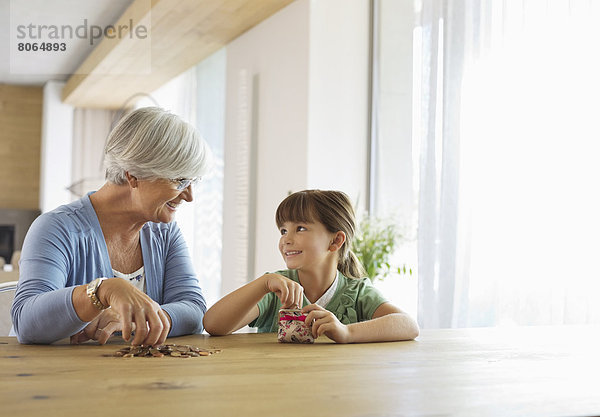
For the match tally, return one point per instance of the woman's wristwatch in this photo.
(91, 290)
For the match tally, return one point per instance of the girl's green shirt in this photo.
(354, 300)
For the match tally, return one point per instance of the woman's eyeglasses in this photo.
(183, 183)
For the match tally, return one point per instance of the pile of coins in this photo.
(179, 351)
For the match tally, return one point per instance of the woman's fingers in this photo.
(133, 311)
(91, 328)
(151, 327)
(126, 322)
(78, 338)
(141, 328)
(107, 323)
(102, 335)
(166, 327)
(155, 328)
(86, 334)
(98, 329)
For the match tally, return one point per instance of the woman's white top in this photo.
(137, 278)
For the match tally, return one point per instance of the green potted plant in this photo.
(374, 244)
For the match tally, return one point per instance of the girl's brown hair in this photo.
(334, 210)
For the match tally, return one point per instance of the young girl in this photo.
(323, 275)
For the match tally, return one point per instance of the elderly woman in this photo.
(115, 260)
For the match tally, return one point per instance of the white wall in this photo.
(57, 136)
(267, 79)
(296, 118)
(338, 99)
(90, 131)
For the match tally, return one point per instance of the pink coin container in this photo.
(292, 327)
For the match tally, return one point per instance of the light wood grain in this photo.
(8, 276)
(544, 371)
(20, 143)
(182, 32)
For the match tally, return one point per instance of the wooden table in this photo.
(537, 371)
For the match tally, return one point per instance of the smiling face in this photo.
(306, 246)
(159, 199)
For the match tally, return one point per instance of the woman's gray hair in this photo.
(151, 143)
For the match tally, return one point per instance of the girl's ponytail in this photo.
(350, 266)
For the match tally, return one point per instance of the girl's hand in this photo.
(289, 292)
(325, 322)
(99, 329)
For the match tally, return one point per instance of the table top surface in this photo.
(545, 371)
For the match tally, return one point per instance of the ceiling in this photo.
(54, 66)
(106, 73)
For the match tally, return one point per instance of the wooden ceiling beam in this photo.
(182, 33)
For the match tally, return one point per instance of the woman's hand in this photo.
(99, 329)
(289, 292)
(325, 322)
(136, 311)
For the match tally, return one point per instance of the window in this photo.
(198, 96)
(394, 163)
(508, 207)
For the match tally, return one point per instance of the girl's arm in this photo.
(388, 324)
(239, 307)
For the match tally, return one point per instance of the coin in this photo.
(178, 351)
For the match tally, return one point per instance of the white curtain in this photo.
(508, 214)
